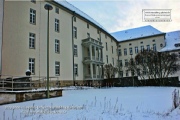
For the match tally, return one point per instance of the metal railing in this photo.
(92, 41)
(26, 83)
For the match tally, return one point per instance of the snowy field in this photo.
(127, 103)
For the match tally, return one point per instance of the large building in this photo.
(133, 41)
(78, 45)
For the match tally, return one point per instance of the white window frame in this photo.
(32, 40)
(125, 51)
(32, 65)
(75, 50)
(56, 25)
(57, 46)
(76, 69)
(57, 10)
(142, 48)
(75, 32)
(130, 51)
(136, 50)
(32, 19)
(154, 47)
(148, 47)
(57, 68)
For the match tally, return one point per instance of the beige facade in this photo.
(19, 55)
(78, 46)
(153, 42)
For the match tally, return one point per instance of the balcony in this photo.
(93, 59)
(88, 41)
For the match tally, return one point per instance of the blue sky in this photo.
(116, 15)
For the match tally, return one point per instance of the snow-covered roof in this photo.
(136, 33)
(171, 39)
(72, 8)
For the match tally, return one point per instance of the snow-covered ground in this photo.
(127, 103)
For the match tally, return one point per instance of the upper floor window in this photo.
(75, 32)
(106, 46)
(107, 58)
(119, 52)
(75, 51)
(141, 42)
(129, 44)
(120, 63)
(125, 51)
(177, 45)
(148, 47)
(88, 35)
(112, 49)
(32, 65)
(76, 69)
(142, 48)
(136, 49)
(56, 25)
(87, 25)
(126, 62)
(57, 10)
(57, 68)
(153, 40)
(130, 51)
(57, 46)
(32, 16)
(74, 18)
(154, 47)
(113, 61)
(32, 40)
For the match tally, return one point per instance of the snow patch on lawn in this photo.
(126, 103)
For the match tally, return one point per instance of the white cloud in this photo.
(120, 15)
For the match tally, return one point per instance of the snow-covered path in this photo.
(127, 103)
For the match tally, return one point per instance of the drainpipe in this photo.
(73, 46)
(101, 54)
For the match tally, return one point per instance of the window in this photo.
(125, 51)
(120, 63)
(98, 39)
(106, 46)
(57, 10)
(141, 42)
(113, 61)
(57, 46)
(33, 1)
(76, 69)
(75, 32)
(119, 52)
(75, 51)
(32, 65)
(130, 51)
(153, 40)
(56, 25)
(32, 16)
(121, 73)
(177, 45)
(87, 25)
(126, 62)
(119, 45)
(107, 58)
(88, 35)
(31, 40)
(74, 18)
(129, 44)
(161, 45)
(136, 50)
(112, 49)
(154, 47)
(57, 68)
(142, 48)
(148, 47)
(127, 73)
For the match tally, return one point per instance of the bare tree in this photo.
(110, 71)
(152, 64)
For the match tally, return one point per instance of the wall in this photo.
(1, 27)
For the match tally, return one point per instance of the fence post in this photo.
(12, 85)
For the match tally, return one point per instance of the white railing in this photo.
(92, 40)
